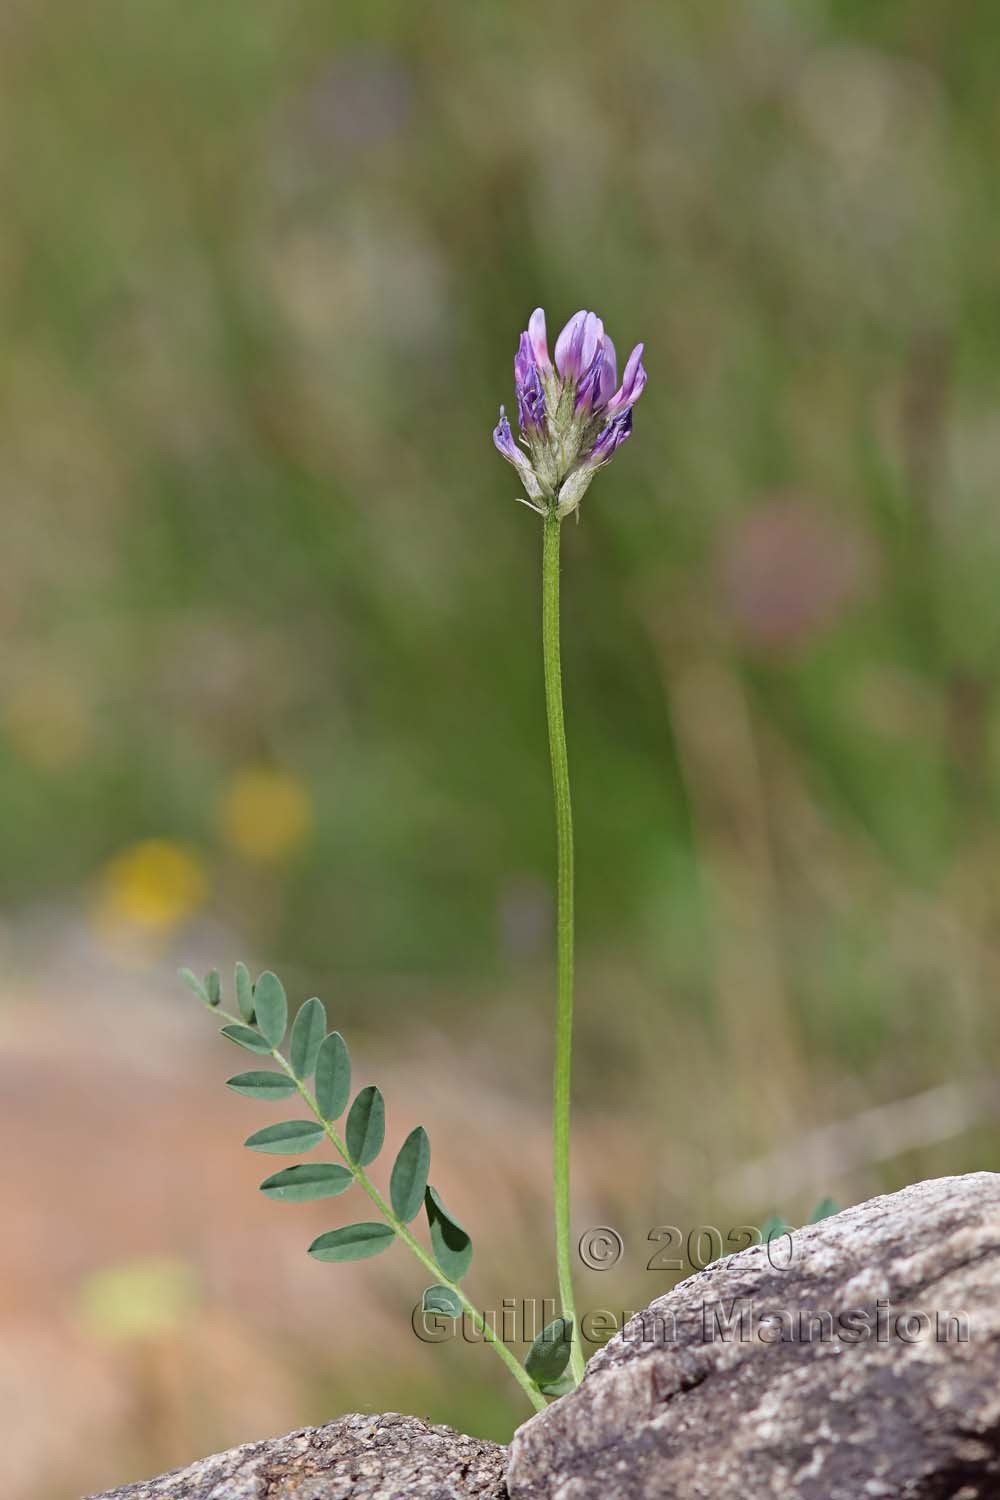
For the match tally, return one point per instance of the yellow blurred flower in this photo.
(266, 814)
(153, 885)
(137, 1299)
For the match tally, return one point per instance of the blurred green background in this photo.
(269, 671)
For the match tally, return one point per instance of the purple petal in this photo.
(611, 437)
(524, 361)
(538, 340)
(578, 344)
(633, 383)
(528, 385)
(598, 379)
(504, 439)
(564, 345)
(589, 383)
(634, 377)
(584, 347)
(609, 374)
(591, 339)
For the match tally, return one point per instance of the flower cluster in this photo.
(571, 410)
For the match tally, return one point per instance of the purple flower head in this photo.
(572, 412)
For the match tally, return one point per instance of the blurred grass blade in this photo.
(408, 1182)
(308, 1031)
(353, 1242)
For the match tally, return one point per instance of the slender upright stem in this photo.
(564, 926)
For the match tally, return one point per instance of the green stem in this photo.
(404, 1233)
(564, 926)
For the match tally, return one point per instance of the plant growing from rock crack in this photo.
(573, 415)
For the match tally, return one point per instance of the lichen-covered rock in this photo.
(870, 1367)
(355, 1458)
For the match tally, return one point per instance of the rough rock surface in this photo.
(355, 1458)
(904, 1410)
(859, 1358)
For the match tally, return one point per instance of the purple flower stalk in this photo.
(572, 412)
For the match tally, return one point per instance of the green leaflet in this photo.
(451, 1243)
(408, 1182)
(288, 1138)
(333, 1077)
(309, 1180)
(823, 1210)
(550, 1353)
(262, 1085)
(441, 1299)
(244, 992)
(365, 1130)
(308, 1031)
(353, 1242)
(195, 985)
(773, 1227)
(560, 1387)
(244, 1037)
(213, 987)
(271, 1006)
